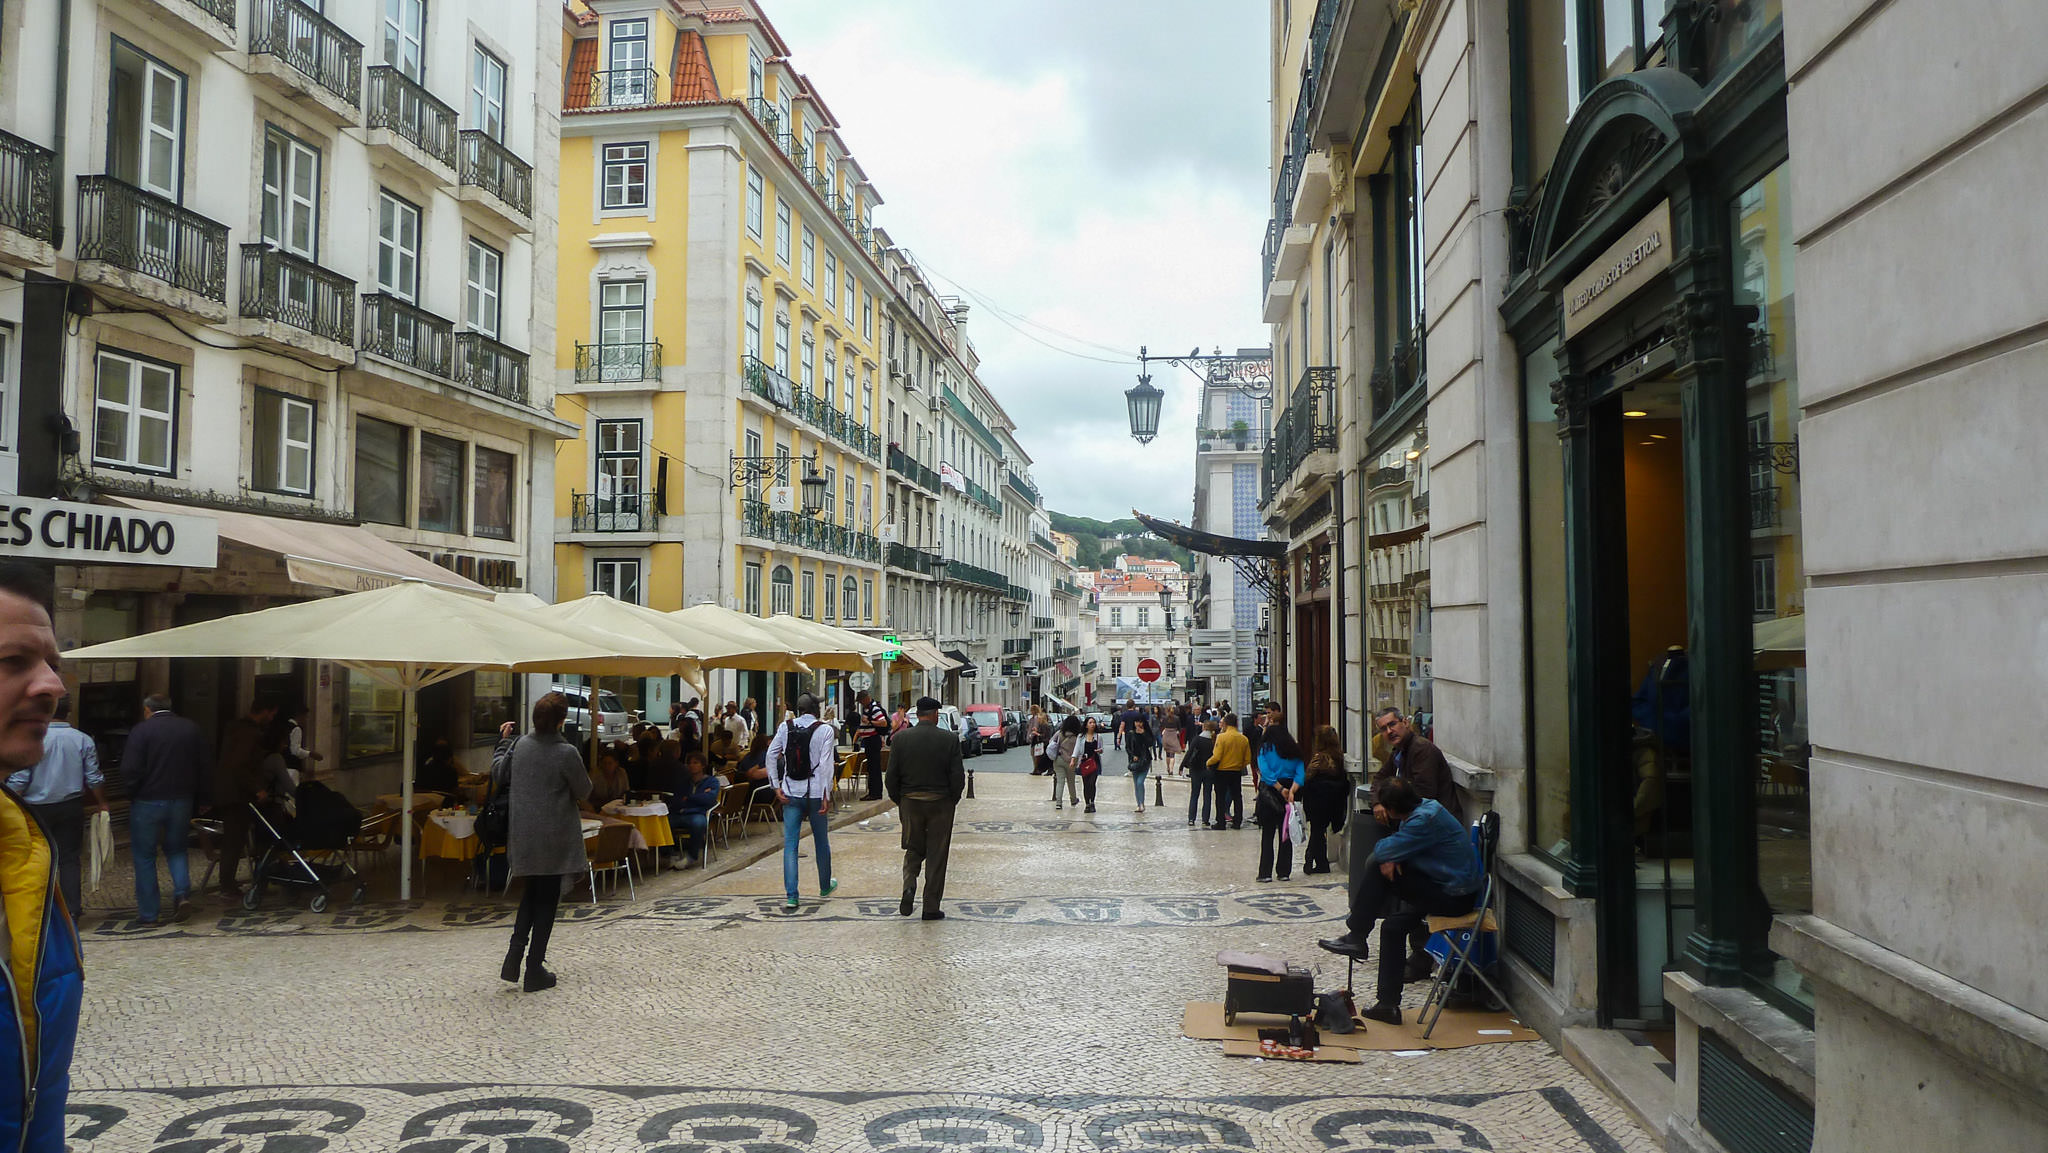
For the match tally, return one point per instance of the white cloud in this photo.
(1097, 171)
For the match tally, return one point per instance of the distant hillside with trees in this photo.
(1099, 542)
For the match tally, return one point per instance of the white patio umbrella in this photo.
(734, 640)
(826, 646)
(410, 635)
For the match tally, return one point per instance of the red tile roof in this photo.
(694, 82)
(582, 66)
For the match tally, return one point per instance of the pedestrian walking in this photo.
(1066, 758)
(1038, 731)
(800, 768)
(926, 778)
(1195, 764)
(161, 766)
(1280, 770)
(1139, 745)
(238, 782)
(46, 980)
(542, 776)
(1322, 794)
(1089, 766)
(1227, 764)
(871, 730)
(55, 790)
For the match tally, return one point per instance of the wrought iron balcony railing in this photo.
(143, 232)
(984, 498)
(615, 363)
(277, 285)
(1307, 425)
(959, 570)
(1764, 509)
(1395, 380)
(397, 102)
(28, 188)
(1024, 487)
(792, 146)
(487, 164)
(488, 366)
(1045, 542)
(915, 560)
(1042, 624)
(623, 88)
(619, 512)
(769, 116)
(767, 382)
(410, 335)
(313, 45)
(221, 10)
(800, 531)
(902, 464)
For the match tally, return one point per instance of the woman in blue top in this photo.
(1280, 770)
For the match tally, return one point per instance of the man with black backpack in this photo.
(801, 769)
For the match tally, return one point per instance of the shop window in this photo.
(1550, 769)
(282, 449)
(373, 712)
(781, 590)
(135, 413)
(441, 483)
(625, 175)
(496, 475)
(383, 462)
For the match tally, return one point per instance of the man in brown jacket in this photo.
(237, 781)
(1414, 758)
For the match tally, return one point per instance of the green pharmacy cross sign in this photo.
(895, 647)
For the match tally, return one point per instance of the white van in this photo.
(616, 722)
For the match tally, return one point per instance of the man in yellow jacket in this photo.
(1233, 755)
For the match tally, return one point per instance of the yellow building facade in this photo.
(720, 297)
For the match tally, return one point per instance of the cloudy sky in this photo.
(1095, 169)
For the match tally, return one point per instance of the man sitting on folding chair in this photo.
(1424, 868)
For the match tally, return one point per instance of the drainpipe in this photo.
(62, 97)
(1337, 621)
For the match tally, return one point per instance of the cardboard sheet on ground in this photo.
(1325, 1055)
(1203, 1021)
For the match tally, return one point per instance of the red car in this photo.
(989, 720)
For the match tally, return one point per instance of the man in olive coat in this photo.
(926, 778)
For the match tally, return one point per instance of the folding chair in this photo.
(762, 801)
(611, 851)
(1467, 944)
(731, 810)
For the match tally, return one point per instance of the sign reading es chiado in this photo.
(102, 534)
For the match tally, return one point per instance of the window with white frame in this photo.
(867, 398)
(757, 196)
(146, 133)
(617, 577)
(135, 413)
(846, 387)
(848, 310)
(831, 601)
(625, 175)
(1763, 585)
(750, 588)
(831, 277)
(487, 93)
(622, 330)
(754, 325)
(757, 76)
(781, 590)
(398, 247)
(848, 522)
(810, 363)
(618, 470)
(1116, 664)
(405, 37)
(867, 599)
(782, 342)
(867, 315)
(483, 280)
(810, 256)
(291, 194)
(281, 453)
(1144, 617)
(753, 443)
(1116, 617)
(831, 372)
(782, 227)
(849, 609)
(810, 595)
(627, 63)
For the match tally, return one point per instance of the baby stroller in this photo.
(305, 851)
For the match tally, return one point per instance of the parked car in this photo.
(1016, 727)
(615, 723)
(989, 719)
(970, 735)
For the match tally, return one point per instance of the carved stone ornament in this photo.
(1613, 171)
(1694, 323)
(1568, 398)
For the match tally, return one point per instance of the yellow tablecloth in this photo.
(648, 830)
(436, 841)
(421, 802)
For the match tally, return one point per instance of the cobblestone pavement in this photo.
(1043, 1014)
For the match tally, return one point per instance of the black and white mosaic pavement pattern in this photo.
(1208, 910)
(584, 1119)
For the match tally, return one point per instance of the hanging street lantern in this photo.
(816, 491)
(1144, 402)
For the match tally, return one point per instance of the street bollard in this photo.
(970, 782)
(1158, 790)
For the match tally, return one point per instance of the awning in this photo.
(925, 655)
(1066, 670)
(959, 659)
(335, 556)
(1209, 543)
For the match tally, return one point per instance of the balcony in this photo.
(1042, 624)
(767, 115)
(210, 23)
(1045, 542)
(619, 88)
(1066, 588)
(489, 367)
(620, 512)
(984, 498)
(304, 55)
(902, 465)
(406, 121)
(975, 575)
(408, 336)
(799, 531)
(618, 363)
(28, 202)
(771, 385)
(318, 306)
(1397, 380)
(1764, 510)
(792, 147)
(1023, 487)
(492, 178)
(1307, 426)
(180, 258)
(914, 560)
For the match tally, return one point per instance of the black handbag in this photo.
(494, 819)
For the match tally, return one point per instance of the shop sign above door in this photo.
(101, 534)
(1629, 263)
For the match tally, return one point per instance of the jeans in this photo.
(1400, 905)
(694, 829)
(1229, 790)
(64, 821)
(1138, 784)
(795, 811)
(538, 902)
(153, 825)
(1199, 789)
(1272, 819)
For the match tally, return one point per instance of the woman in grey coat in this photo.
(545, 778)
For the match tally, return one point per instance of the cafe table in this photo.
(651, 831)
